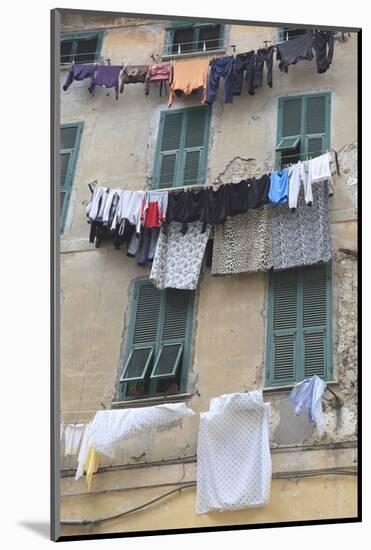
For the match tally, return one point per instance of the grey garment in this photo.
(243, 244)
(145, 242)
(302, 237)
(155, 232)
(133, 244)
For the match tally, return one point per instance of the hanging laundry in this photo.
(91, 465)
(307, 395)
(61, 431)
(295, 49)
(220, 67)
(132, 74)
(263, 55)
(234, 467)
(243, 244)
(189, 76)
(279, 188)
(158, 73)
(320, 170)
(178, 258)
(111, 426)
(72, 438)
(302, 237)
(154, 208)
(244, 65)
(323, 44)
(106, 76)
(184, 206)
(246, 194)
(216, 206)
(130, 208)
(299, 174)
(147, 246)
(83, 452)
(79, 72)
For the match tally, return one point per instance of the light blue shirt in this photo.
(279, 189)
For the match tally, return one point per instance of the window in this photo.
(286, 33)
(81, 47)
(299, 325)
(194, 37)
(157, 352)
(303, 129)
(182, 145)
(70, 142)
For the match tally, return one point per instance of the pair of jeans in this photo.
(220, 67)
(244, 63)
(263, 55)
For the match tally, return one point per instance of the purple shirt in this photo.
(78, 72)
(106, 76)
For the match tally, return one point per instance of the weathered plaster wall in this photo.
(117, 148)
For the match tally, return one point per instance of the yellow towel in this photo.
(91, 465)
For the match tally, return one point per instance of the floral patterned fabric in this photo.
(178, 258)
(302, 237)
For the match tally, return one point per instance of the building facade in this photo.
(225, 328)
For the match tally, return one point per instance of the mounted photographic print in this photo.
(204, 182)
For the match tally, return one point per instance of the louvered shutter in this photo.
(172, 124)
(174, 333)
(194, 146)
(284, 327)
(314, 321)
(182, 151)
(291, 117)
(315, 125)
(146, 311)
(299, 335)
(69, 136)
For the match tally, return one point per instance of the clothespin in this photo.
(108, 61)
(234, 47)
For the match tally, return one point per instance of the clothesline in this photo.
(246, 391)
(264, 44)
(200, 185)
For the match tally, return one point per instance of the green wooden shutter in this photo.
(291, 117)
(70, 140)
(171, 130)
(303, 126)
(182, 147)
(314, 321)
(174, 332)
(194, 146)
(159, 336)
(144, 331)
(299, 325)
(284, 327)
(316, 125)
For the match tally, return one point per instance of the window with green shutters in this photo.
(70, 135)
(157, 351)
(303, 129)
(299, 325)
(182, 147)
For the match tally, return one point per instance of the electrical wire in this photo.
(279, 475)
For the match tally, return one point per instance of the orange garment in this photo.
(189, 76)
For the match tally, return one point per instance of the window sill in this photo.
(147, 401)
(282, 389)
(166, 57)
